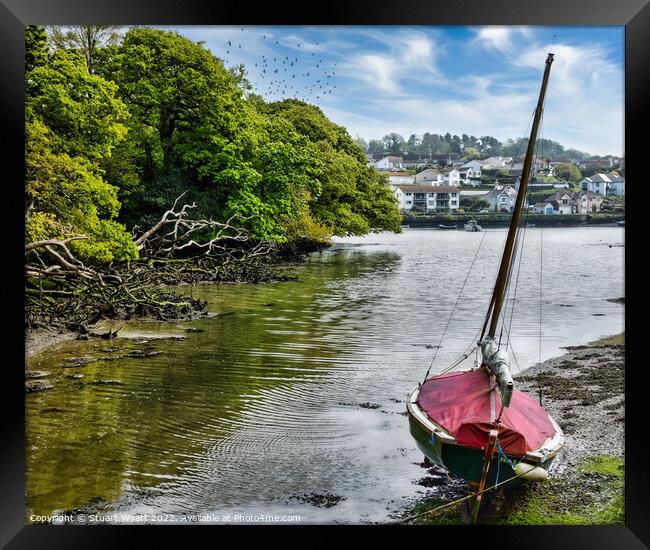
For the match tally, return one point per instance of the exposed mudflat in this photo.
(37, 340)
(583, 391)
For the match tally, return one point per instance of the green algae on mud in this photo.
(616, 340)
(597, 497)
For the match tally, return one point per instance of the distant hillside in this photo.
(468, 146)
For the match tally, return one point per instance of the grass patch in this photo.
(616, 340)
(455, 515)
(596, 498)
(605, 465)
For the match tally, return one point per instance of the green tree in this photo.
(36, 50)
(189, 128)
(67, 196)
(82, 110)
(349, 197)
(73, 121)
(470, 153)
(362, 143)
(86, 39)
(376, 146)
(413, 144)
(568, 172)
(394, 143)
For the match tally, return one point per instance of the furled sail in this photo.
(497, 361)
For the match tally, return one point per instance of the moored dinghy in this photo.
(474, 422)
(473, 226)
(452, 416)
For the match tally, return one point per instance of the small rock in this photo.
(106, 383)
(368, 405)
(72, 362)
(36, 374)
(325, 500)
(432, 481)
(34, 386)
(138, 354)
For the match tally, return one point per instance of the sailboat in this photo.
(474, 423)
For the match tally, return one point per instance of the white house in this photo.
(575, 202)
(494, 163)
(537, 165)
(617, 187)
(468, 176)
(451, 176)
(604, 184)
(431, 176)
(475, 165)
(400, 178)
(502, 198)
(543, 208)
(389, 163)
(562, 203)
(427, 198)
(439, 176)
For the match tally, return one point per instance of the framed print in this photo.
(358, 268)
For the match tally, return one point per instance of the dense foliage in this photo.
(73, 121)
(466, 146)
(119, 127)
(568, 171)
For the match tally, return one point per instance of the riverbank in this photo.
(161, 276)
(583, 390)
(495, 219)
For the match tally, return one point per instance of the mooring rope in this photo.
(462, 499)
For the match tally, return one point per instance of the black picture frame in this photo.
(15, 14)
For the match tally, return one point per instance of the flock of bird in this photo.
(306, 77)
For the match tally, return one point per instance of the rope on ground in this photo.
(462, 499)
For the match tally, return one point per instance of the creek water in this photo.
(289, 398)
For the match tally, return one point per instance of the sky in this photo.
(415, 79)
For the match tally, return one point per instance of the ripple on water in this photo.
(299, 389)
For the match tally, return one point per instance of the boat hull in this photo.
(464, 462)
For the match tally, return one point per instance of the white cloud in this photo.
(400, 80)
(409, 53)
(585, 96)
(501, 39)
(584, 105)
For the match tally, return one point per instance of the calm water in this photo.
(262, 406)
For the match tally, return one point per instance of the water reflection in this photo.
(262, 403)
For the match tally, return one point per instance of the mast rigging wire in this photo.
(455, 305)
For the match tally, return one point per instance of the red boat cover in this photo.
(464, 404)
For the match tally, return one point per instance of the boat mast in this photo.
(497, 296)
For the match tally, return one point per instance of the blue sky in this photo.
(416, 79)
